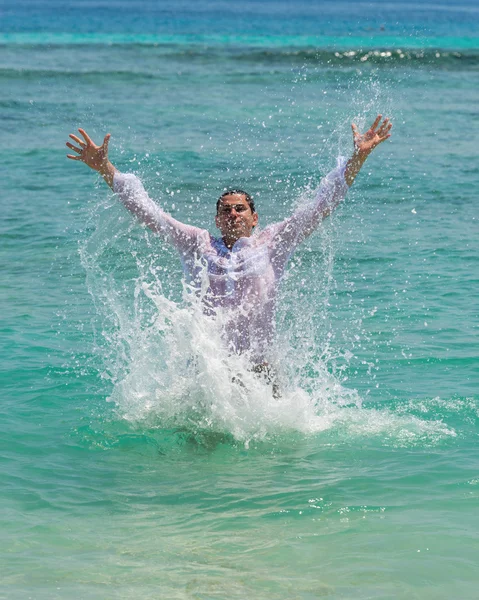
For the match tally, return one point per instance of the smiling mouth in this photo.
(236, 224)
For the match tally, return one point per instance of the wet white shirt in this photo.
(242, 283)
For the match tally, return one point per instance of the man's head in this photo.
(235, 215)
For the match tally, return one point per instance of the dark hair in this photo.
(248, 198)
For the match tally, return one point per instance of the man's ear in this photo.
(255, 219)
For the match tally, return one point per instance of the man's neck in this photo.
(229, 242)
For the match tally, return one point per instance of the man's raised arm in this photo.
(364, 144)
(333, 188)
(132, 194)
(329, 195)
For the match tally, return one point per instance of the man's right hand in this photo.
(96, 157)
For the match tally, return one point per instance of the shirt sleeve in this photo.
(134, 197)
(292, 231)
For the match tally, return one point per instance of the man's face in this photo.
(235, 218)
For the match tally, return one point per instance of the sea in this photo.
(133, 463)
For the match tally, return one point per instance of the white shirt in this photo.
(241, 283)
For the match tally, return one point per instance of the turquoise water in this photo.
(129, 474)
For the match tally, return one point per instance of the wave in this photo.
(272, 58)
(387, 57)
(36, 74)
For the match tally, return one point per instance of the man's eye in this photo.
(227, 210)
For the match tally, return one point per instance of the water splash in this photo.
(167, 366)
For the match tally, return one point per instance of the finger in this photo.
(384, 126)
(384, 138)
(106, 141)
(356, 133)
(376, 122)
(77, 139)
(71, 157)
(74, 148)
(88, 139)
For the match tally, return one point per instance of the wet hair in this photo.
(248, 198)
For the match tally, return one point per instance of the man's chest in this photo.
(246, 262)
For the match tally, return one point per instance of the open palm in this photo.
(377, 133)
(88, 152)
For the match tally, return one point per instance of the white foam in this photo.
(168, 365)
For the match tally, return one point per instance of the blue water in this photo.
(126, 472)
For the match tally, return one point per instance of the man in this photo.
(242, 268)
